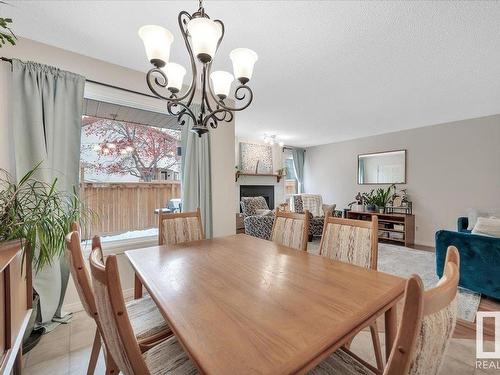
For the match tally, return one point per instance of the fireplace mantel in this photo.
(238, 174)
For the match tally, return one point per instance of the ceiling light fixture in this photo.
(272, 139)
(202, 37)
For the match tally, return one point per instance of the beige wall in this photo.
(450, 168)
(222, 139)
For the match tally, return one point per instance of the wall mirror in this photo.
(382, 168)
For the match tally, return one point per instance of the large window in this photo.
(130, 169)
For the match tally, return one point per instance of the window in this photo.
(290, 177)
(130, 168)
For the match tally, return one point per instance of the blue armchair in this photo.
(479, 258)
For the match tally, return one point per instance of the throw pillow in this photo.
(487, 227)
(264, 212)
(474, 214)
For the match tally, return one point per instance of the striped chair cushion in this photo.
(145, 318)
(348, 244)
(181, 229)
(288, 232)
(168, 357)
(341, 363)
(433, 340)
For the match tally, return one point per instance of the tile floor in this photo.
(66, 351)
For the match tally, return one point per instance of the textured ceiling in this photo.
(327, 71)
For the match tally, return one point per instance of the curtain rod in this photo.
(6, 59)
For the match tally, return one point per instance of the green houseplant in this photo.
(381, 197)
(38, 215)
(6, 33)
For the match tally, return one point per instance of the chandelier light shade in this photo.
(175, 75)
(222, 83)
(243, 61)
(204, 34)
(202, 37)
(157, 41)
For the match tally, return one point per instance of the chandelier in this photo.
(202, 37)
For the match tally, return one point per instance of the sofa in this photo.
(479, 258)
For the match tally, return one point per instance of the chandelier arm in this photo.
(183, 15)
(213, 117)
(185, 111)
(238, 95)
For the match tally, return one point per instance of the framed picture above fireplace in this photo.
(256, 158)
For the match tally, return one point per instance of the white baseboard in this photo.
(77, 306)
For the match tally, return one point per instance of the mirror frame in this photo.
(405, 181)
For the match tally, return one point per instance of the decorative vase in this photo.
(370, 207)
(381, 210)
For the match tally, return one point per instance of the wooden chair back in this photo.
(180, 227)
(351, 241)
(439, 318)
(116, 328)
(411, 320)
(79, 272)
(291, 229)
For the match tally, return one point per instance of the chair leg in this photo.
(94, 356)
(111, 368)
(376, 346)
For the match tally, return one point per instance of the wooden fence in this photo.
(126, 206)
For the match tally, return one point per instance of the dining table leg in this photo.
(390, 330)
(137, 287)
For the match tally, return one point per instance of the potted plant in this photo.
(381, 197)
(38, 215)
(368, 200)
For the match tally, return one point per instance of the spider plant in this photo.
(39, 215)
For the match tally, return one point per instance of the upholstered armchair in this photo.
(314, 204)
(258, 219)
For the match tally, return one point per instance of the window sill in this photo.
(120, 246)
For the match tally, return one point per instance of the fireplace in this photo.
(266, 191)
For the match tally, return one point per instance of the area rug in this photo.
(403, 261)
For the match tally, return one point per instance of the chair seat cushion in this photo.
(342, 362)
(168, 357)
(145, 318)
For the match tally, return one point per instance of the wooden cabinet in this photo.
(16, 303)
(398, 229)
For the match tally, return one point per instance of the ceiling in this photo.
(327, 71)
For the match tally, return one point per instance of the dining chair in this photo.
(355, 242)
(426, 327)
(180, 227)
(148, 324)
(167, 357)
(291, 229)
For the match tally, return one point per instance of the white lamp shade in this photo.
(175, 75)
(205, 34)
(157, 41)
(221, 82)
(243, 61)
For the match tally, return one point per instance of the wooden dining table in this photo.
(243, 305)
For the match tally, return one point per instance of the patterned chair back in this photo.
(250, 205)
(291, 229)
(439, 318)
(310, 202)
(116, 328)
(181, 227)
(351, 241)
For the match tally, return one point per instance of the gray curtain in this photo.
(47, 105)
(298, 155)
(196, 174)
